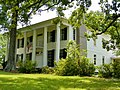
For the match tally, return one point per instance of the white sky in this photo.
(51, 14)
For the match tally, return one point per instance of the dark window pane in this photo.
(52, 36)
(63, 53)
(31, 38)
(18, 43)
(51, 58)
(64, 34)
(22, 43)
(94, 59)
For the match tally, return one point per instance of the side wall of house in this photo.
(96, 52)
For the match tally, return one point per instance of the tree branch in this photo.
(109, 25)
(44, 9)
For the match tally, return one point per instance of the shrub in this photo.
(116, 69)
(75, 63)
(47, 70)
(85, 67)
(27, 66)
(105, 70)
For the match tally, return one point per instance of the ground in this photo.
(10, 81)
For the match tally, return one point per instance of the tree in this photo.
(96, 22)
(107, 21)
(12, 12)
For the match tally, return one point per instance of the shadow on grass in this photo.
(57, 83)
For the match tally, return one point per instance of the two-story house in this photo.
(45, 42)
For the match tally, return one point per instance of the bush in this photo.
(74, 64)
(47, 70)
(85, 67)
(105, 70)
(116, 69)
(27, 66)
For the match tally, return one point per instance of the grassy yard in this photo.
(10, 81)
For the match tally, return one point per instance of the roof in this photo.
(42, 24)
(116, 57)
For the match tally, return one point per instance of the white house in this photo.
(45, 42)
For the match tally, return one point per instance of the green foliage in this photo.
(105, 70)
(85, 67)
(27, 66)
(3, 46)
(47, 70)
(110, 70)
(75, 63)
(116, 69)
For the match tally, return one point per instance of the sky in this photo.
(51, 14)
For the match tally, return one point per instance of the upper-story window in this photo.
(40, 40)
(94, 59)
(94, 40)
(20, 43)
(29, 40)
(63, 34)
(51, 36)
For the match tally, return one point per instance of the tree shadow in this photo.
(57, 83)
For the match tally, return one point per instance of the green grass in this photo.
(10, 81)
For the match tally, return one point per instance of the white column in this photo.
(34, 45)
(25, 44)
(45, 47)
(69, 33)
(57, 51)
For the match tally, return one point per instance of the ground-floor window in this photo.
(19, 57)
(50, 62)
(29, 56)
(63, 53)
(103, 60)
(94, 59)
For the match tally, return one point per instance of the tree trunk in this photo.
(11, 64)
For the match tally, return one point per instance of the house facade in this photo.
(45, 42)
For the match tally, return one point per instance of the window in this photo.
(73, 34)
(63, 34)
(63, 53)
(50, 62)
(29, 40)
(19, 57)
(94, 40)
(103, 60)
(40, 40)
(20, 43)
(29, 56)
(51, 36)
(94, 59)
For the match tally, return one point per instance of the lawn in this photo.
(10, 81)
